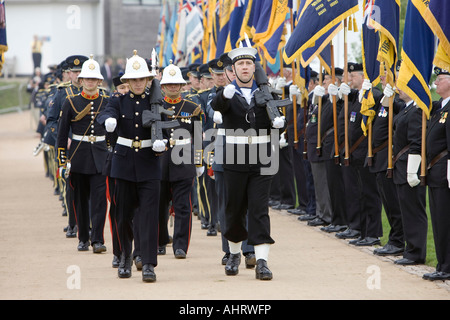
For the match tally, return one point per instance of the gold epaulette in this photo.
(197, 110)
(201, 91)
(64, 84)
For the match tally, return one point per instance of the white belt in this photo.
(134, 143)
(247, 139)
(180, 142)
(220, 131)
(88, 138)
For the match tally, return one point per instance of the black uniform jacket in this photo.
(438, 141)
(238, 114)
(187, 113)
(131, 164)
(407, 134)
(380, 135)
(311, 132)
(78, 115)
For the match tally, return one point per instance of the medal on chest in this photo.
(383, 113)
(443, 117)
(353, 116)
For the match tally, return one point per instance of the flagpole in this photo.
(346, 158)
(333, 80)
(390, 130)
(424, 155)
(294, 97)
(319, 115)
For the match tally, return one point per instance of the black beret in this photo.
(76, 62)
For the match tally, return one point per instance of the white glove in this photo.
(229, 91)
(412, 168)
(110, 124)
(319, 91)
(217, 117)
(293, 91)
(159, 146)
(333, 90)
(278, 122)
(448, 172)
(199, 170)
(283, 142)
(387, 93)
(367, 85)
(344, 89)
(281, 83)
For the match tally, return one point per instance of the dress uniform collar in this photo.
(89, 97)
(172, 101)
(444, 102)
(253, 88)
(132, 95)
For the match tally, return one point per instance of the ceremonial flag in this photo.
(236, 23)
(316, 17)
(169, 54)
(438, 19)
(371, 65)
(3, 42)
(268, 28)
(417, 60)
(387, 23)
(226, 8)
(247, 21)
(162, 30)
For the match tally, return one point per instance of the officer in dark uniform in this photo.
(438, 177)
(135, 166)
(368, 202)
(407, 141)
(86, 156)
(302, 168)
(65, 89)
(330, 200)
(181, 163)
(111, 137)
(386, 186)
(247, 175)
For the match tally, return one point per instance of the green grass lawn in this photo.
(15, 96)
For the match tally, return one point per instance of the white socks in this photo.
(235, 247)
(262, 251)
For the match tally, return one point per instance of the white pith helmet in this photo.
(172, 74)
(136, 68)
(90, 69)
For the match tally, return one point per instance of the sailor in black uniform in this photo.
(86, 156)
(438, 177)
(247, 175)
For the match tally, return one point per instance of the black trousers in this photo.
(90, 205)
(283, 182)
(389, 198)
(179, 193)
(111, 185)
(370, 204)
(247, 192)
(338, 193)
(144, 196)
(415, 222)
(352, 197)
(440, 220)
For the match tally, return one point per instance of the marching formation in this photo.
(217, 141)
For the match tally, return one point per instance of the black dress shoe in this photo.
(437, 275)
(124, 270)
(232, 266)
(273, 203)
(138, 262)
(180, 254)
(148, 273)
(225, 258)
(333, 228)
(283, 206)
(316, 222)
(406, 262)
(367, 241)
(115, 262)
(71, 232)
(297, 211)
(204, 226)
(388, 250)
(307, 217)
(83, 246)
(250, 260)
(98, 247)
(348, 234)
(262, 272)
(161, 250)
(212, 231)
